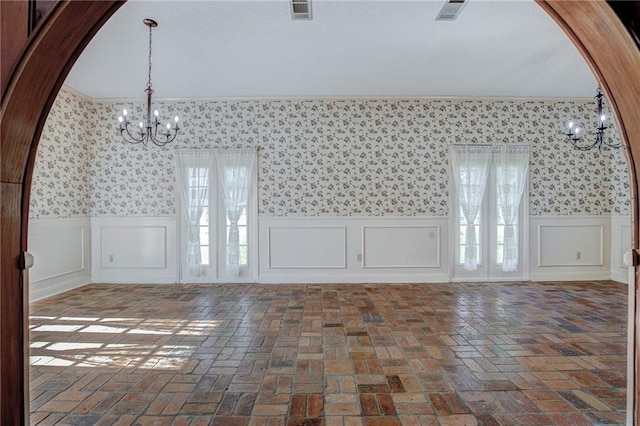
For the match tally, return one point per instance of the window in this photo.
(199, 206)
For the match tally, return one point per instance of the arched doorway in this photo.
(613, 56)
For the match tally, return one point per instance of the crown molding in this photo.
(79, 94)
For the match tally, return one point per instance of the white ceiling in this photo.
(229, 49)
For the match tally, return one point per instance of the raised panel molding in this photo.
(340, 264)
(307, 247)
(557, 240)
(62, 253)
(139, 250)
(558, 244)
(57, 252)
(345, 256)
(391, 247)
(133, 247)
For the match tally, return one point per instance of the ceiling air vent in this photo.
(301, 9)
(450, 10)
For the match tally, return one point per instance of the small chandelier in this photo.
(575, 133)
(153, 130)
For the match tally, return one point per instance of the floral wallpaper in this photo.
(355, 157)
(61, 179)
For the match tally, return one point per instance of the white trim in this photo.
(78, 271)
(356, 279)
(333, 98)
(162, 227)
(343, 265)
(572, 275)
(553, 265)
(363, 246)
(71, 91)
(619, 277)
(571, 217)
(352, 218)
(43, 293)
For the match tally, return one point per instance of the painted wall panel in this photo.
(311, 250)
(401, 247)
(307, 247)
(579, 245)
(56, 252)
(62, 255)
(134, 247)
(620, 243)
(135, 250)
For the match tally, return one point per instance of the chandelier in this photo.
(152, 130)
(575, 133)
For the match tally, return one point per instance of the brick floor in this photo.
(322, 355)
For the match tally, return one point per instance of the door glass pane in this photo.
(463, 235)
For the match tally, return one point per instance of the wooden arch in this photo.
(34, 83)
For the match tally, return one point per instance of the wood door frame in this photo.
(52, 50)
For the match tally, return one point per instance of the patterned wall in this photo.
(355, 157)
(61, 178)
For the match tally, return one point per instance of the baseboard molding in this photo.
(620, 277)
(101, 279)
(47, 291)
(570, 276)
(354, 279)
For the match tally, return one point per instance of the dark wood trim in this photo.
(612, 53)
(592, 25)
(44, 64)
(13, 33)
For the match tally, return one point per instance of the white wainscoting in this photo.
(565, 248)
(620, 243)
(307, 247)
(134, 250)
(401, 247)
(62, 255)
(352, 249)
(73, 252)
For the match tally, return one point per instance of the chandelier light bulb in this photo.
(571, 124)
(120, 119)
(156, 113)
(603, 118)
(141, 124)
(176, 119)
(168, 126)
(124, 112)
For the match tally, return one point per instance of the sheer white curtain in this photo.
(511, 166)
(470, 165)
(236, 168)
(193, 173)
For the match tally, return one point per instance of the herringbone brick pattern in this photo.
(325, 355)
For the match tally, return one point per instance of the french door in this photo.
(204, 225)
(499, 229)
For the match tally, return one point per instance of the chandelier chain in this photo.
(149, 80)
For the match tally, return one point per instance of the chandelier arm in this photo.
(579, 147)
(612, 145)
(169, 135)
(132, 139)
